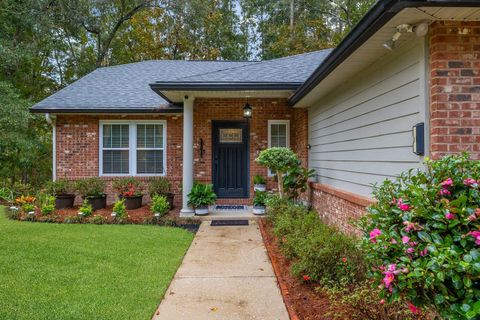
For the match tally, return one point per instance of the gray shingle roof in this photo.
(125, 88)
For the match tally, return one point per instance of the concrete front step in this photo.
(215, 214)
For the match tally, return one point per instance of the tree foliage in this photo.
(46, 45)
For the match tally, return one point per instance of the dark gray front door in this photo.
(230, 165)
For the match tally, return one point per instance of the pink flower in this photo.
(405, 239)
(469, 182)
(382, 302)
(447, 183)
(449, 216)
(411, 226)
(476, 235)
(403, 206)
(374, 234)
(445, 192)
(393, 241)
(472, 217)
(413, 308)
(424, 252)
(410, 250)
(390, 276)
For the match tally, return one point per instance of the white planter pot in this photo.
(259, 187)
(258, 210)
(13, 208)
(31, 213)
(202, 211)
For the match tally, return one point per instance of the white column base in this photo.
(185, 213)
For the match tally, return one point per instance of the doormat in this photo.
(222, 223)
(230, 207)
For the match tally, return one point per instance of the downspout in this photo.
(51, 121)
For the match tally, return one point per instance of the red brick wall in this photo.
(455, 88)
(77, 139)
(206, 110)
(77, 148)
(337, 207)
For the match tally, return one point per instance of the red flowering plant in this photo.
(422, 238)
(128, 187)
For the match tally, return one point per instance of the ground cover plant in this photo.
(423, 237)
(58, 271)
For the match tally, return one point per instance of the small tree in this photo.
(279, 160)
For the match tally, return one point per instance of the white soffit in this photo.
(373, 49)
(177, 96)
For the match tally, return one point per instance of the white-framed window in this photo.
(278, 135)
(132, 148)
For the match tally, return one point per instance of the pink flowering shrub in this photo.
(422, 238)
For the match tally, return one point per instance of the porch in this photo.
(224, 146)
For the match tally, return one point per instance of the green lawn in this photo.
(54, 271)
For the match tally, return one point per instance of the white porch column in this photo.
(187, 154)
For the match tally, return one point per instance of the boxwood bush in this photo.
(422, 237)
(318, 252)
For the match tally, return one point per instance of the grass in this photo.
(55, 271)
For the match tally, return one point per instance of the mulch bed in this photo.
(302, 300)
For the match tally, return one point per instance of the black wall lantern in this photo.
(418, 132)
(247, 111)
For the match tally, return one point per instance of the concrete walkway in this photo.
(226, 274)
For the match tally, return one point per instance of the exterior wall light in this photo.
(418, 132)
(247, 111)
(420, 30)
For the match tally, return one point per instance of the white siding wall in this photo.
(362, 132)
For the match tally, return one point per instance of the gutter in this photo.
(376, 17)
(160, 86)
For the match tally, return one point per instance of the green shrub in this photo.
(316, 250)
(28, 207)
(159, 185)
(159, 205)
(86, 208)
(98, 219)
(7, 195)
(295, 181)
(279, 160)
(90, 187)
(120, 209)
(128, 187)
(423, 235)
(47, 205)
(201, 195)
(59, 187)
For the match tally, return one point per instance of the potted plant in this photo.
(259, 202)
(161, 186)
(129, 189)
(200, 197)
(92, 190)
(160, 206)
(259, 183)
(63, 191)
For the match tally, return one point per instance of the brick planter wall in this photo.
(455, 88)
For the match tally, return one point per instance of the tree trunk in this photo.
(280, 183)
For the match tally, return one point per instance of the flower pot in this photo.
(201, 211)
(258, 210)
(97, 203)
(63, 201)
(259, 187)
(132, 203)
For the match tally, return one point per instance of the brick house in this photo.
(403, 84)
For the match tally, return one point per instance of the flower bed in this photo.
(142, 215)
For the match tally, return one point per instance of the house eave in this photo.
(176, 109)
(374, 20)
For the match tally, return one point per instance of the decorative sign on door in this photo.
(230, 135)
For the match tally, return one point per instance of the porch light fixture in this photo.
(247, 111)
